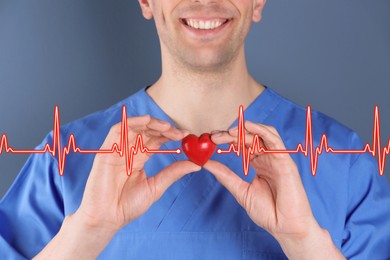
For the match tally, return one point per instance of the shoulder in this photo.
(106, 118)
(298, 123)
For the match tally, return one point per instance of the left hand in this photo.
(276, 199)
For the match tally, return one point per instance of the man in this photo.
(171, 208)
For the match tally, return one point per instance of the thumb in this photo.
(237, 187)
(166, 177)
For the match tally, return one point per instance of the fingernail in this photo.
(183, 131)
(177, 131)
(217, 133)
(163, 122)
(196, 168)
(234, 129)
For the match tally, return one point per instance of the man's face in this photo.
(204, 34)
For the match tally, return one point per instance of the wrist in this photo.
(92, 224)
(77, 239)
(97, 234)
(316, 243)
(87, 237)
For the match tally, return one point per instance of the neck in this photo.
(207, 100)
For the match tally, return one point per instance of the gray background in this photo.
(86, 55)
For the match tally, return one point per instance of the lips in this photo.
(204, 24)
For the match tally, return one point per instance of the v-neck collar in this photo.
(257, 111)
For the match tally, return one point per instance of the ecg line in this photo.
(308, 148)
(128, 152)
(123, 149)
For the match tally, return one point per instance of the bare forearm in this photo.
(317, 244)
(77, 240)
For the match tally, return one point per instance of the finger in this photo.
(159, 125)
(269, 135)
(155, 143)
(165, 178)
(153, 124)
(151, 133)
(174, 134)
(230, 136)
(141, 157)
(222, 137)
(116, 130)
(252, 142)
(234, 130)
(237, 187)
(155, 133)
(216, 132)
(185, 132)
(137, 121)
(137, 126)
(166, 129)
(251, 139)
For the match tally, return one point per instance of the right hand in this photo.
(111, 198)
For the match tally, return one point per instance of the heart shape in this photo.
(198, 150)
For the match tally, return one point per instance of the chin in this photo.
(209, 61)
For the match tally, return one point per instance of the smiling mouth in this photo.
(204, 24)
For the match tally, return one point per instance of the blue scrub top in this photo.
(197, 218)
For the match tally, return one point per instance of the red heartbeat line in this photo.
(123, 148)
(307, 148)
(128, 152)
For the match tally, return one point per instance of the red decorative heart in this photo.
(198, 150)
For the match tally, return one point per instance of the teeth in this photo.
(203, 25)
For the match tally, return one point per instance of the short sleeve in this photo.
(367, 227)
(31, 212)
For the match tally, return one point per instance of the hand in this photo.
(112, 198)
(276, 199)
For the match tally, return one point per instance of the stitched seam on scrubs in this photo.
(361, 200)
(57, 174)
(242, 245)
(348, 214)
(269, 112)
(131, 105)
(173, 203)
(212, 184)
(288, 101)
